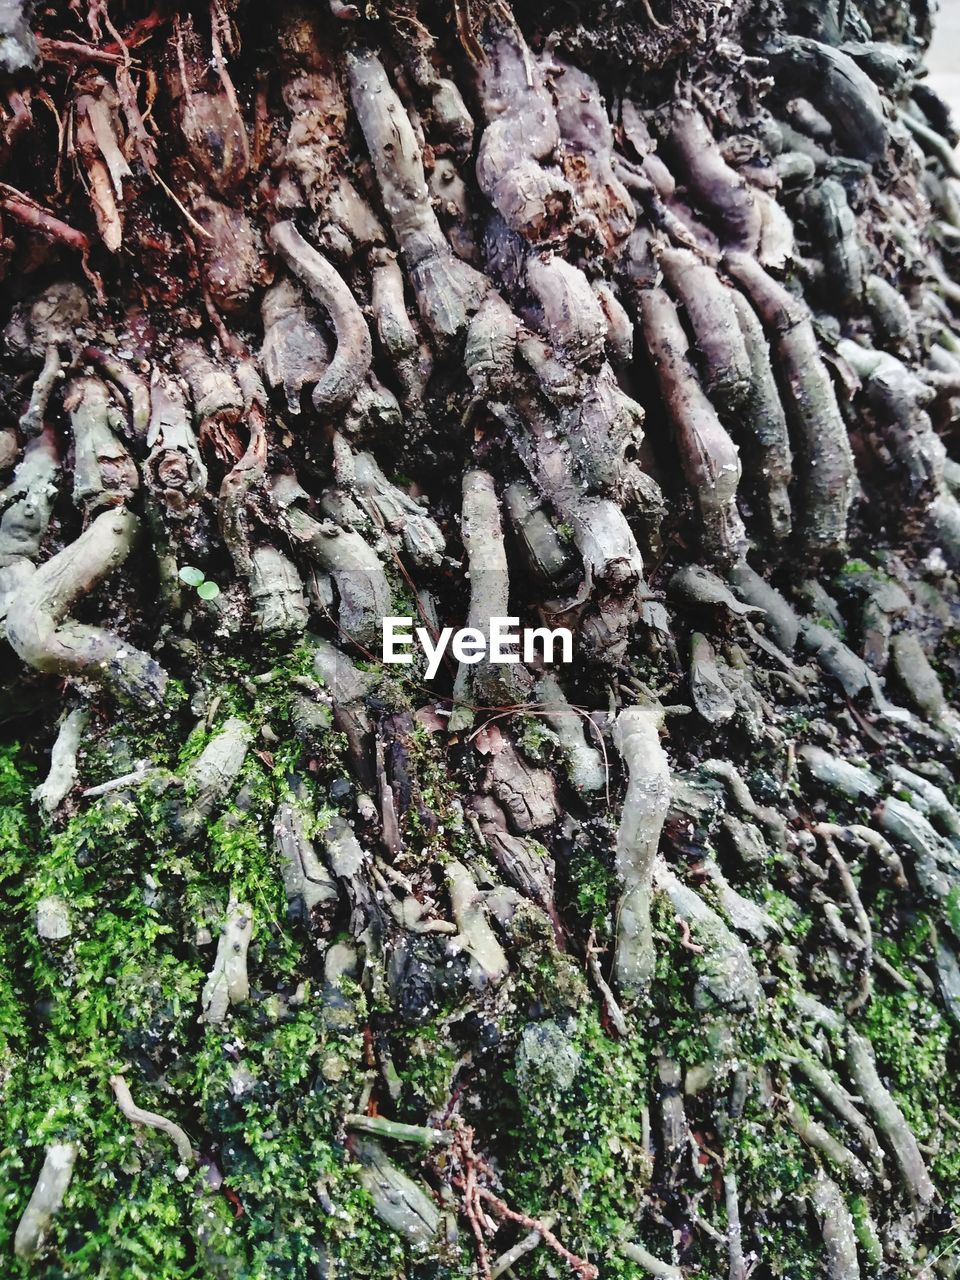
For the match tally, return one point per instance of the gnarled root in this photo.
(710, 178)
(397, 1200)
(587, 157)
(175, 472)
(652, 1265)
(636, 735)
(570, 314)
(276, 593)
(521, 135)
(827, 478)
(843, 92)
(398, 337)
(136, 1115)
(524, 863)
(296, 351)
(245, 478)
(613, 570)
(44, 636)
(819, 1139)
(27, 505)
(311, 889)
(132, 386)
(365, 596)
(839, 1233)
(342, 378)
(726, 975)
(711, 697)
(899, 398)
(488, 963)
(838, 774)
(211, 776)
(762, 427)
(448, 291)
(31, 421)
(890, 1121)
(842, 1104)
(218, 402)
(489, 591)
(711, 311)
(921, 682)
(528, 795)
(63, 762)
(547, 556)
(584, 763)
(348, 688)
(404, 519)
(835, 226)
(28, 500)
(349, 862)
(104, 474)
(709, 458)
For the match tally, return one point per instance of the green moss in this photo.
(122, 994)
(916, 1046)
(428, 1070)
(536, 740)
(911, 1039)
(952, 910)
(544, 977)
(866, 1231)
(794, 1251)
(581, 1156)
(774, 1169)
(794, 922)
(854, 566)
(592, 882)
(433, 825)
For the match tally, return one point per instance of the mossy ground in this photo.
(262, 1097)
(121, 995)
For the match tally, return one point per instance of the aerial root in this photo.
(136, 1115)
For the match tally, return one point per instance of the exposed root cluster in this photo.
(320, 316)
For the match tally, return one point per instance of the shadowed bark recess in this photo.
(637, 319)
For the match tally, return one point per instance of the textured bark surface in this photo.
(635, 318)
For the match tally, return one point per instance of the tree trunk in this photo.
(633, 319)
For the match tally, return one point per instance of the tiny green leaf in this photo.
(208, 591)
(191, 576)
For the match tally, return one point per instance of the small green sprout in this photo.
(193, 577)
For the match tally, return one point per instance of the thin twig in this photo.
(614, 1012)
